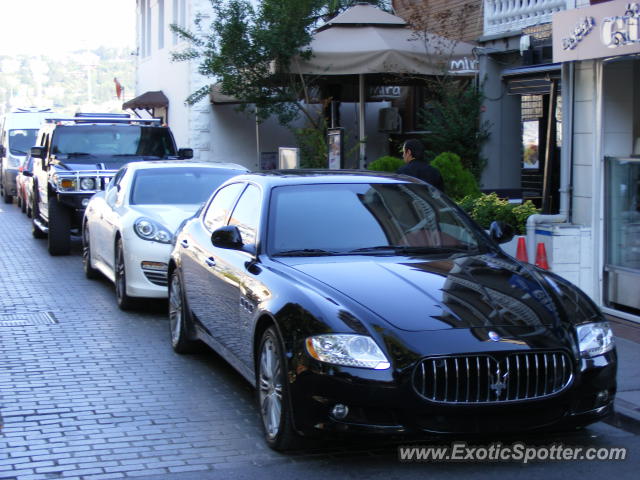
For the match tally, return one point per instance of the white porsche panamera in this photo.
(127, 231)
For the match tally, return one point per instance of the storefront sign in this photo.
(604, 30)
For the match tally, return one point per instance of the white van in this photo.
(17, 135)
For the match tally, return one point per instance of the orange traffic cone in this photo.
(521, 252)
(541, 257)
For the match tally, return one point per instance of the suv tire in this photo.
(59, 228)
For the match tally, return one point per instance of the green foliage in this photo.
(314, 151)
(453, 123)
(489, 207)
(386, 163)
(61, 82)
(458, 181)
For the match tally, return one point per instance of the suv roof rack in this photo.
(103, 119)
(102, 115)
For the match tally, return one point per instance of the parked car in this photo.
(76, 157)
(24, 186)
(128, 229)
(17, 135)
(371, 303)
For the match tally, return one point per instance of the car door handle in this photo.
(184, 244)
(210, 261)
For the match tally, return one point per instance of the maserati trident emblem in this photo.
(494, 336)
(500, 383)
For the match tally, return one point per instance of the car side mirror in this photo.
(501, 232)
(110, 196)
(185, 153)
(227, 237)
(27, 173)
(38, 152)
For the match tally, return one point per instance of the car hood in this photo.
(171, 216)
(488, 290)
(98, 162)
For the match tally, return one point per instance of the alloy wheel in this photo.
(270, 387)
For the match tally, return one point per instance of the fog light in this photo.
(602, 398)
(340, 411)
(85, 202)
(158, 266)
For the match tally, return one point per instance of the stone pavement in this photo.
(88, 391)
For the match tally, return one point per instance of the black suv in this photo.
(77, 157)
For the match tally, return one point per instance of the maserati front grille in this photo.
(483, 378)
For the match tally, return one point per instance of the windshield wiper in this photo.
(380, 249)
(427, 250)
(77, 154)
(305, 252)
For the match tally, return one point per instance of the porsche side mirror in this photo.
(185, 153)
(501, 232)
(227, 237)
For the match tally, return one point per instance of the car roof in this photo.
(151, 164)
(275, 178)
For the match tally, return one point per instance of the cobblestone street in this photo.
(89, 391)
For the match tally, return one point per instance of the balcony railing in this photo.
(502, 16)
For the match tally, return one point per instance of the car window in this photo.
(246, 215)
(221, 206)
(343, 218)
(177, 185)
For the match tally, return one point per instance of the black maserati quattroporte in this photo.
(371, 303)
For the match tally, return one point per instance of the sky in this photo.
(56, 27)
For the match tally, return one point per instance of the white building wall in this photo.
(584, 143)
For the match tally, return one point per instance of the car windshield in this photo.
(175, 186)
(369, 219)
(21, 140)
(114, 140)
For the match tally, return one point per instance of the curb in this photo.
(625, 416)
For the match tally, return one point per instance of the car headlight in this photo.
(148, 229)
(87, 184)
(347, 349)
(595, 339)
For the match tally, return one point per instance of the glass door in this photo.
(622, 230)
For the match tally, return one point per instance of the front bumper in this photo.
(151, 283)
(385, 402)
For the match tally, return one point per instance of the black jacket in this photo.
(423, 171)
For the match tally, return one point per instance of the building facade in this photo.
(214, 128)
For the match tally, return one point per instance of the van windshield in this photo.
(112, 140)
(21, 140)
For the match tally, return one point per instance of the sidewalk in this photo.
(627, 403)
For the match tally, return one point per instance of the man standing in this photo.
(415, 165)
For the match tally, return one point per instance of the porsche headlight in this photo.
(348, 350)
(151, 230)
(595, 339)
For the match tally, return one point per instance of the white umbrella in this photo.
(366, 40)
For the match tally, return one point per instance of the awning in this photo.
(147, 101)
(531, 80)
(216, 96)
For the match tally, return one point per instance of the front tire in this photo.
(89, 272)
(59, 228)
(273, 397)
(179, 317)
(125, 302)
